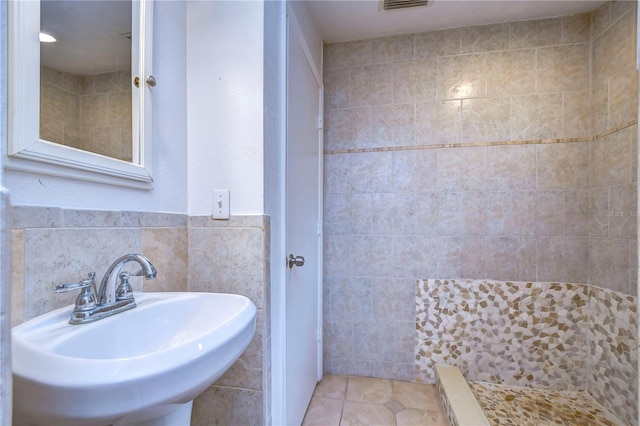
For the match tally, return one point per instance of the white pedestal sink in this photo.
(144, 366)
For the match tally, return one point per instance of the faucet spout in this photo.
(107, 290)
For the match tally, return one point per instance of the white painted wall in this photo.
(169, 139)
(225, 46)
(309, 29)
(207, 115)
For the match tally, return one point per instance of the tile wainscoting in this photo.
(5, 308)
(52, 245)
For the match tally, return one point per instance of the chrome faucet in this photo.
(112, 298)
(107, 290)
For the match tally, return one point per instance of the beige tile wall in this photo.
(233, 257)
(5, 308)
(613, 166)
(53, 245)
(105, 114)
(59, 107)
(92, 112)
(472, 153)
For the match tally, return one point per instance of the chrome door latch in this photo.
(295, 261)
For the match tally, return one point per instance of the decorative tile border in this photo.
(56, 217)
(235, 221)
(558, 336)
(481, 144)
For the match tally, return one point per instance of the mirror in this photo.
(85, 76)
(86, 119)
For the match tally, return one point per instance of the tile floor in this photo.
(509, 405)
(349, 400)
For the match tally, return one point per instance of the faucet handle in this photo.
(87, 282)
(86, 300)
(124, 290)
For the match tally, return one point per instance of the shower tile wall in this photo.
(516, 333)
(90, 112)
(52, 245)
(613, 168)
(555, 336)
(473, 153)
(612, 372)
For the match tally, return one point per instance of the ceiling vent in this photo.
(403, 4)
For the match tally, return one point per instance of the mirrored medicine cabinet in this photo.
(80, 104)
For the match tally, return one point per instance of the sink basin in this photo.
(131, 368)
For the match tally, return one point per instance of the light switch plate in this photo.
(220, 204)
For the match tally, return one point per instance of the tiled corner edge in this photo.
(5, 309)
(444, 402)
(457, 399)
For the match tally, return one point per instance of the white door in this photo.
(303, 177)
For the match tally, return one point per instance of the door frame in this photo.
(278, 399)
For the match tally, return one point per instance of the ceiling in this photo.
(92, 35)
(346, 20)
